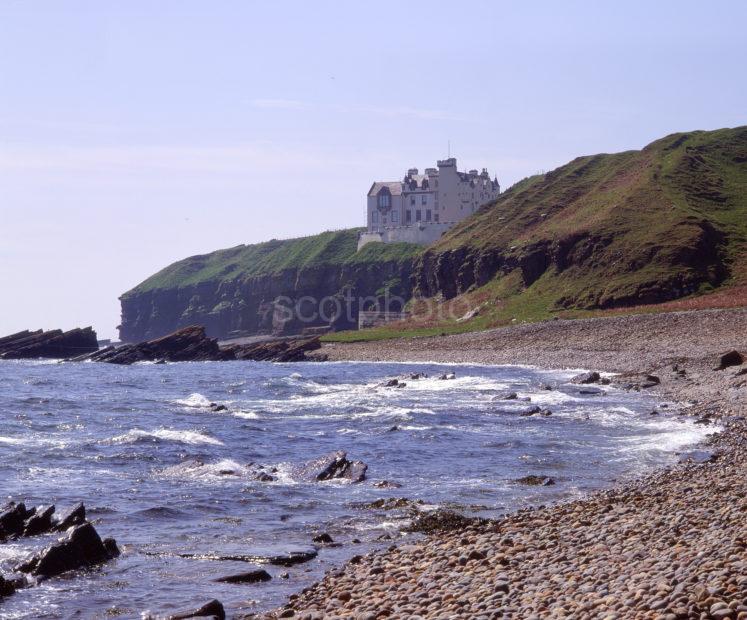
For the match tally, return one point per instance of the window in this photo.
(408, 216)
(395, 217)
(424, 199)
(417, 215)
(412, 200)
(427, 215)
(435, 183)
(385, 200)
(436, 216)
(374, 217)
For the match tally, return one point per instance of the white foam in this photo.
(15, 441)
(194, 400)
(189, 437)
(224, 468)
(247, 415)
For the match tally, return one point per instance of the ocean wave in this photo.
(190, 437)
(195, 400)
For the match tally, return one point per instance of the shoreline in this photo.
(672, 544)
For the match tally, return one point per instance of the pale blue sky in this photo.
(136, 133)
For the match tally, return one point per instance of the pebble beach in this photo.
(670, 545)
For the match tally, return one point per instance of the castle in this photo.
(422, 207)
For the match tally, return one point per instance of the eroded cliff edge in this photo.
(279, 287)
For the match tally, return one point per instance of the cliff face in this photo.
(607, 230)
(279, 287)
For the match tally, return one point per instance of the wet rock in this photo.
(442, 520)
(586, 378)
(216, 407)
(447, 376)
(730, 358)
(387, 484)
(12, 519)
(265, 477)
(390, 383)
(531, 411)
(293, 557)
(533, 480)
(592, 392)
(332, 466)
(75, 516)
(417, 375)
(323, 538)
(507, 396)
(699, 456)
(6, 587)
(82, 547)
(393, 429)
(213, 609)
(40, 522)
(253, 576)
(390, 503)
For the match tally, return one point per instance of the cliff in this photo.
(279, 287)
(604, 231)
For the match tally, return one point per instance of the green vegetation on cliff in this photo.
(331, 248)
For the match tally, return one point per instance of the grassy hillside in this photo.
(601, 233)
(331, 248)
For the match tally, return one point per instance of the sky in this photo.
(134, 134)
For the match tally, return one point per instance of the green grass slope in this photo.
(625, 228)
(331, 248)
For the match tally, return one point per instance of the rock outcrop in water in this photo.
(81, 547)
(191, 344)
(334, 465)
(52, 344)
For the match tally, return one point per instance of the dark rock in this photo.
(442, 520)
(12, 519)
(323, 538)
(532, 480)
(393, 429)
(213, 609)
(401, 384)
(387, 484)
(531, 411)
(391, 503)
(292, 557)
(586, 378)
(508, 396)
(265, 477)
(75, 516)
(40, 522)
(53, 344)
(418, 375)
(253, 576)
(6, 587)
(699, 456)
(189, 344)
(447, 375)
(82, 547)
(390, 383)
(217, 407)
(730, 358)
(546, 387)
(703, 420)
(287, 350)
(332, 466)
(592, 392)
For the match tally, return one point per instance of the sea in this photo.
(175, 482)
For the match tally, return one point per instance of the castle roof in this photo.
(395, 187)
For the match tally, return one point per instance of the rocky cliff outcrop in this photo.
(52, 344)
(298, 290)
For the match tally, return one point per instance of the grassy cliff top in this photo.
(245, 261)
